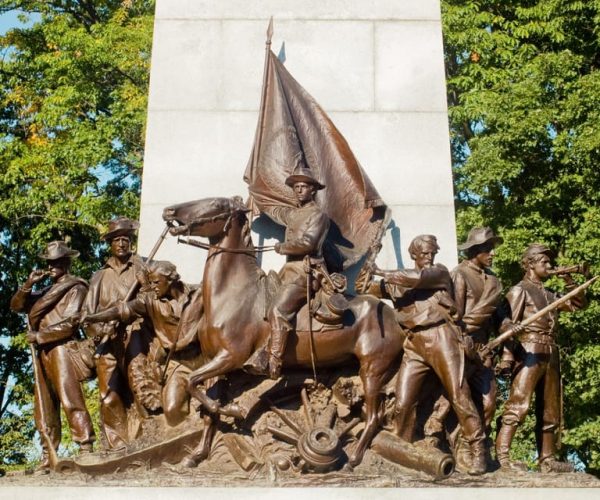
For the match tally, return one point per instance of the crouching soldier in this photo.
(175, 311)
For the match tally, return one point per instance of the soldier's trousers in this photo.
(539, 373)
(436, 349)
(482, 382)
(58, 386)
(115, 396)
(175, 396)
(290, 298)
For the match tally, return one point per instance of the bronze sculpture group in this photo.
(232, 347)
(437, 329)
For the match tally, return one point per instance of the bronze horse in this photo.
(234, 314)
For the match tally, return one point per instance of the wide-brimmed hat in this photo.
(121, 226)
(302, 174)
(57, 250)
(479, 236)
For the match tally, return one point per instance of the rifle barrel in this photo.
(550, 307)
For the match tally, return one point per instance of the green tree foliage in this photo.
(524, 102)
(73, 91)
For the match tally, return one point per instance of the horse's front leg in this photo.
(372, 384)
(202, 451)
(222, 363)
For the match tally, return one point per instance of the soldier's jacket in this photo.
(109, 286)
(306, 229)
(49, 307)
(175, 321)
(528, 297)
(426, 301)
(477, 295)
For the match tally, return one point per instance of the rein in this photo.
(206, 246)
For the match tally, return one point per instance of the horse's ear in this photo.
(238, 204)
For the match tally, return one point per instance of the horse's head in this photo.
(208, 217)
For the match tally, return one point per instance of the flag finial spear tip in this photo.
(270, 31)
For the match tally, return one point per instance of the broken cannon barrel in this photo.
(320, 448)
(422, 458)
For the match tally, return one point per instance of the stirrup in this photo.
(258, 363)
(275, 365)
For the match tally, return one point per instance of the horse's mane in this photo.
(246, 232)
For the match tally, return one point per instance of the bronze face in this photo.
(160, 285)
(304, 192)
(425, 256)
(58, 268)
(120, 247)
(485, 256)
(541, 267)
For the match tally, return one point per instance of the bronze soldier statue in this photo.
(425, 305)
(51, 329)
(477, 294)
(537, 362)
(117, 347)
(306, 230)
(175, 310)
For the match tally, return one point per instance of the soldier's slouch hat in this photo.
(303, 174)
(479, 236)
(120, 226)
(57, 250)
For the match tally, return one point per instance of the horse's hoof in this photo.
(355, 459)
(193, 459)
(212, 407)
(188, 462)
(233, 410)
(347, 468)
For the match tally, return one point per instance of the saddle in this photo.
(325, 311)
(327, 305)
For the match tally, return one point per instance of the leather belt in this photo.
(537, 339)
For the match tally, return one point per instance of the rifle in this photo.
(492, 344)
(365, 279)
(56, 464)
(132, 289)
(43, 428)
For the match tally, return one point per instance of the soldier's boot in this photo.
(551, 464)
(44, 465)
(258, 363)
(462, 455)
(278, 342)
(86, 448)
(548, 462)
(478, 463)
(489, 444)
(503, 442)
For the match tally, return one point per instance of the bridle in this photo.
(229, 217)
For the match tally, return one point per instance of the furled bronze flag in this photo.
(293, 131)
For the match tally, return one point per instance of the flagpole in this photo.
(263, 97)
